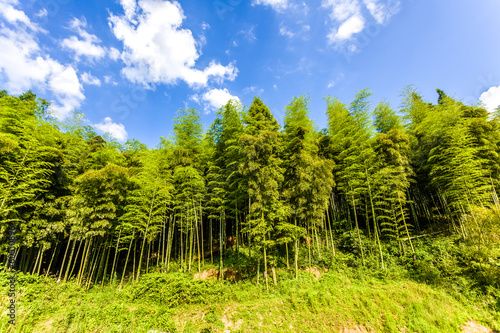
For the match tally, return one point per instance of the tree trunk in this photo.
(126, 260)
(357, 229)
(296, 258)
(331, 232)
(112, 278)
(52, 258)
(265, 260)
(287, 261)
(221, 264)
(64, 258)
(74, 262)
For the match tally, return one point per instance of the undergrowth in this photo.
(447, 283)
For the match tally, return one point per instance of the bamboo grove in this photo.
(90, 209)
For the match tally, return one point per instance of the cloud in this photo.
(42, 13)
(253, 90)
(86, 44)
(351, 17)
(130, 9)
(285, 32)
(156, 48)
(23, 65)
(299, 29)
(248, 34)
(491, 99)
(214, 99)
(90, 79)
(341, 10)
(113, 53)
(275, 4)
(109, 79)
(334, 82)
(117, 131)
(15, 16)
(347, 29)
(381, 12)
(195, 98)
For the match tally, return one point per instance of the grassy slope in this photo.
(170, 303)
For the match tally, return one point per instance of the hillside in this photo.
(385, 221)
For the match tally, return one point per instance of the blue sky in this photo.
(130, 65)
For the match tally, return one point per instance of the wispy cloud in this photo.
(89, 79)
(85, 44)
(275, 4)
(253, 90)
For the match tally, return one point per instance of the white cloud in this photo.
(253, 90)
(285, 32)
(24, 66)
(347, 29)
(349, 18)
(157, 49)
(334, 82)
(380, 11)
(491, 98)
(113, 53)
(218, 97)
(275, 4)
(214, 99)
(342, 9)
(220, 73)
(195, 98)
(117, 131)
(16, 16)
(42, 13)
(109, 79)
(130, 9)
(90, 79)
(205, 26)
(248, 34)
(86, 44)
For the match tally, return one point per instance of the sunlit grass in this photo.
(336, 301)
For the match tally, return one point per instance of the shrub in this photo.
(174, 289)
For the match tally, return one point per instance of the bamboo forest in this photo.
(393, 210)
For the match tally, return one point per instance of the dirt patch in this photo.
(230, 325)
(232, 275)
(473, 327)
(314, 272)
(207, 274)
(47, 325)
(356, 329)
(229, 274)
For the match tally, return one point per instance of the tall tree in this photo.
(262, 168)
(308, 178)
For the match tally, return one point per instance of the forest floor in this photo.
(320, 301)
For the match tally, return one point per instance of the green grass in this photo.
(177, 303)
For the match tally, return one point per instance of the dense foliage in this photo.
(375, 188)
